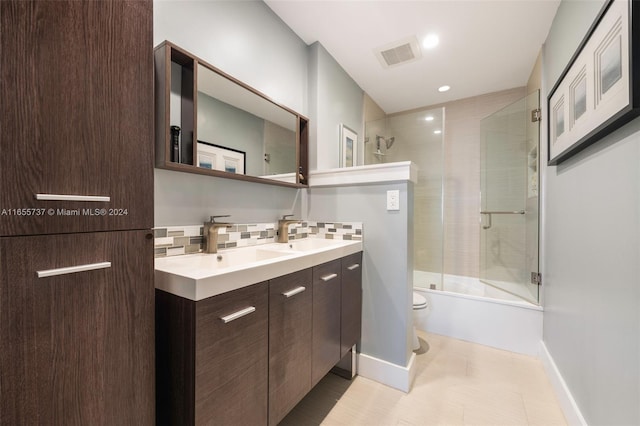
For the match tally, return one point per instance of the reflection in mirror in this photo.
(242, 133)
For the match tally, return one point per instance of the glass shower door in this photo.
(509, 198)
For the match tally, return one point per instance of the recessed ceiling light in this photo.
(429, 118)
(443, 88)
(430, 41)
(437, 132)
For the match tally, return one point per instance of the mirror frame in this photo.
(166, 53)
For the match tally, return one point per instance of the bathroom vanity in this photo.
(243, 335)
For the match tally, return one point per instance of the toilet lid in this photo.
(419, 301)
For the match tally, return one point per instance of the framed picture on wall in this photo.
(348, 147)
(597, 92)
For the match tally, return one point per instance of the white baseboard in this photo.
(567, 403)
(389, 374)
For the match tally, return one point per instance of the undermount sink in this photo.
(198, 276)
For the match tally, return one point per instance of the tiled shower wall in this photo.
(178, 240)
(459, 238)
(462, 178)
(504, 188)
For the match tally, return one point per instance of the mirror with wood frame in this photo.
(210, 123)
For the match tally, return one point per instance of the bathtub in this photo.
(467, 309)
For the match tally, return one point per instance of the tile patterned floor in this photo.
(457, 383)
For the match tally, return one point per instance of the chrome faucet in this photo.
(210, 234)
(283, 228)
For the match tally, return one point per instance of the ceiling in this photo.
(485, 46)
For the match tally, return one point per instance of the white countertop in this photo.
(199, 276)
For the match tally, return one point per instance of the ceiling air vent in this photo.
(400, 52)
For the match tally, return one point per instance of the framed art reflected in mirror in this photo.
(217, 157)
(348, 147)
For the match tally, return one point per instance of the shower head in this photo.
(387, 142)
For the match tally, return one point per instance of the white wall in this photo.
(591, 253)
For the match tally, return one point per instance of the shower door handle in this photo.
(498, 212)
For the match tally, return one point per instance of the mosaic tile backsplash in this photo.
(178, 240)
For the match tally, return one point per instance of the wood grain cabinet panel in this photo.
(77, 348)
(76, 79)
(325, 350)
(289, 342)
(351, 306)
(211, 372)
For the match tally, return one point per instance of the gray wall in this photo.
(592, 253)
(188, 199)
(248, 41)
(334, 99)
(388, 255)
(242, 38)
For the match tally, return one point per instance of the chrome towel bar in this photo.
(489, 213)
(504, 212)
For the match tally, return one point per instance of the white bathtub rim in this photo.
(518, 304)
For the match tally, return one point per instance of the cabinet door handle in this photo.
(64, 197)
(239, 314)
(72, 269)
(328, 277)
(354, 266)
(294, 291)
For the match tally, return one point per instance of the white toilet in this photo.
(419, 309)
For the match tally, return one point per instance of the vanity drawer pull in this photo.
(63, 197)
(294, 291)
(239, 314)
(354, 266)
(328, 277)
(72, 269)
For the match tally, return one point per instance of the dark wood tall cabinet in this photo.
(76, 211)
(76, 347)
(76, 83)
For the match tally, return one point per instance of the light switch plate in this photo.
(393, 200)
